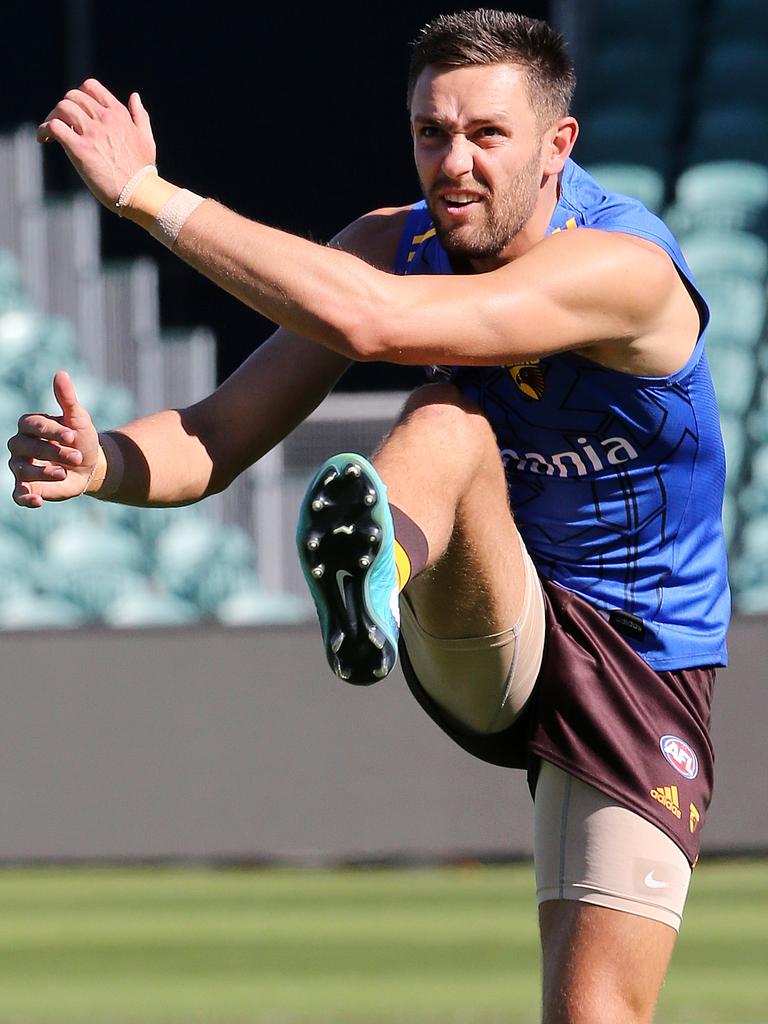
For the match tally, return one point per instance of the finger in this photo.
(93, 88)
(71, 114)
(37, 424)
(58, 131)
(22, 447)
(24, 497)
(84, 101)
(30, 472)
(64, 390)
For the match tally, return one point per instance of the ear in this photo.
(558, 143)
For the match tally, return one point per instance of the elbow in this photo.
(366, 336)
(372, 324)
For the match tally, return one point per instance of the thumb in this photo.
(139, 113)
(74, 414)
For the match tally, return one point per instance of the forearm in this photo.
(154, 461)
(180, 456)
(324, 294)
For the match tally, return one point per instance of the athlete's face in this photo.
(478, 150)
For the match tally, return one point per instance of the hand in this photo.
(54, 457)
(106, 141)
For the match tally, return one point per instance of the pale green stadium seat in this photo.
(754, 541)
(39, 611)
(735, 442)
(94, 587)
(733, 374)
(752, 600)
(643, 183)
(11, 292)
(759, 466)
(733, 253)
(16, 556)
(37, 524)
(220, 580)
(753, 499)
(91, 566)
(204, 562)
(13, 402)
(730, 517)
(148, 608)
(738, 306)
(730, 194)
(256, 607)
(84, 541)
(32, 348)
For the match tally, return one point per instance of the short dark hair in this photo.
(500, 37)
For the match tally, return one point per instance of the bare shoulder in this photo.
(375, 236)
(634, 274)
(594, 244)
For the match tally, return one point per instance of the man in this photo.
(575, 635)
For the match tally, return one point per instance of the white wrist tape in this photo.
(171, 218)
(130, 186)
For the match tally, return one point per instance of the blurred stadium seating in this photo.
(673, 105)
(83, 562)
(673, 101)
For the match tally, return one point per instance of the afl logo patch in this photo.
(680, 755)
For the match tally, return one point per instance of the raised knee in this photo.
(444, 409)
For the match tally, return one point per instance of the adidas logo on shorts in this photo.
(667, 797)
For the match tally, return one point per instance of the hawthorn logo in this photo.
(529, 378)
(668, 797)
(695, 818)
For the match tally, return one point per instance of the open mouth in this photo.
(459, 202)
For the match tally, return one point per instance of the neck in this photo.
(533, 231)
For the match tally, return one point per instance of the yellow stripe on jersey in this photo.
(569, 224)
(418, 239)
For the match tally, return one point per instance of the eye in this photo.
(429, 131)
(489, 130)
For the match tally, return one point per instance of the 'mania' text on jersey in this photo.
(615, 451)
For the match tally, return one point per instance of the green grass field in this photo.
(455, 946)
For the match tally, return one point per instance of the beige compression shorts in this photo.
(586, 846)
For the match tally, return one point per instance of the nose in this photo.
(458, 159)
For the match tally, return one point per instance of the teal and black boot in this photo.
(346, 543)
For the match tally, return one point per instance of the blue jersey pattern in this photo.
(616, 481)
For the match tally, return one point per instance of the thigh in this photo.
(442, 467)
(611, 888)
(481, 683)
(590, 849)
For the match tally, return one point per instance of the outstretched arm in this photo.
(177, 456)
(181, 455)
(570, 291)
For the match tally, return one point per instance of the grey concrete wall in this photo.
(210, 743)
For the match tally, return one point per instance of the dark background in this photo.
(292, 115)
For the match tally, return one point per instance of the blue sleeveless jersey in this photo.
(616, 481)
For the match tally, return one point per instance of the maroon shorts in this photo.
(602, 714)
